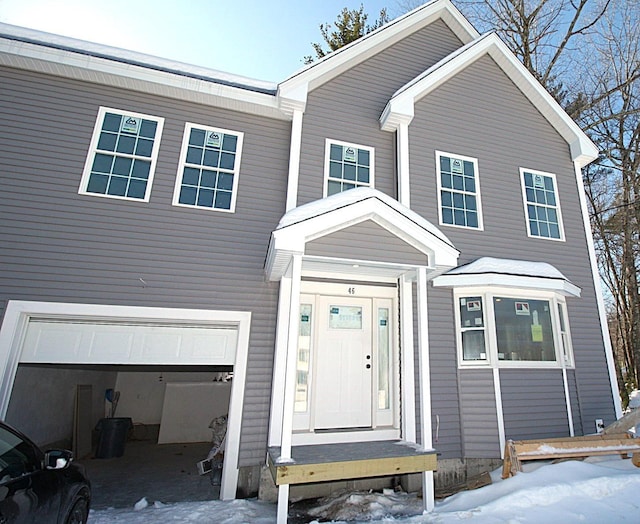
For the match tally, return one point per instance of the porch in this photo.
(350, 460)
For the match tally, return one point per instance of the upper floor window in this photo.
(209, 168)
(122, 155)
(458, 191)
(541, 203)
(347, 166)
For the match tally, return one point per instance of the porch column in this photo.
(290, 381)
(424, 368)
(408, 392)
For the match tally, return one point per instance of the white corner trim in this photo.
(602, 312)
(567, 397)
(408, 392)
(404, 180)
(14, 327)
(294, 160)
(499, 410)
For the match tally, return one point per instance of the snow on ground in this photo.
(598, 490)
(634, 399)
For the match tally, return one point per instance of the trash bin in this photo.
(113, 435)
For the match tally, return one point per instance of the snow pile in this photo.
(603, 489)
(367, 506)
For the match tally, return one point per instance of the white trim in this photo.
(602, 312)
(182, 163)
(338, 437)
(292, 356)
(424, 366)
(401, 106)
(497, 389)
(476, 193)
(327, 156)
(557, 207)
(294, 160)
(14, 327)
(408, 387)
(404, 180)
(565, 384)
(93, 150)
(140, 72)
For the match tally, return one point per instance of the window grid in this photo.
(208, 174)
(348, 166)
(122, 155)
(459, 192)
(543, 211)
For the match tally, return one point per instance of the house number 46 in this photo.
(351, 290)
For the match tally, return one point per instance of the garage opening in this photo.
(66, 367)
(171, 409)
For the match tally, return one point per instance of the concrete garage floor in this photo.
(159, 472)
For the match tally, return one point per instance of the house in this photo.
(390, 247)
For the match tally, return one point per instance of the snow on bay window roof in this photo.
(487, 271)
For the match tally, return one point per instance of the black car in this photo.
(39, 487)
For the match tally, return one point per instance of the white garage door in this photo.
(91, 342)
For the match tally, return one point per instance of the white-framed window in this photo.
(209, 168)
(502, 327)
(122, 155)
(458, 191)
(347, 166)
(541, 204)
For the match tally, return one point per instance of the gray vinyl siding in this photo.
(478, 414)
(366, 241)
(480, 113)
(533, 404)
(60, 246)
(348, 107)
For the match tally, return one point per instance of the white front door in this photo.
(343, 364)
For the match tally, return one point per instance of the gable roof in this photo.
(293, 91)
(400, 109)
(340, 211)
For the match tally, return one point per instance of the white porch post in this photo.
(407, 361)
(280, 361)
(290, 381)
(425, 386)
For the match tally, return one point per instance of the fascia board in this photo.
(583, 150)
(360, 50)
(64, 63)
(563, 287)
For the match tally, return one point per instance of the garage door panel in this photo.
(128, 343)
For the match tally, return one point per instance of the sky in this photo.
(600, 489)
(260, 39)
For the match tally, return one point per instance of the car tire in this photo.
(79, 512)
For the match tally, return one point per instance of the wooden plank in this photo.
(375, 467)
(623, 424)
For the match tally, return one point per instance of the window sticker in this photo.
(538, 181)
(456, 166)
(214, 139)
(130, 124)
(345, 317)
(349, 154)
(473, 305)
(522, 308)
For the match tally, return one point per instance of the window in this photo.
(122, 155)
(347, 166)
(458, 191)
(541, 204)
(209, 168)
(502, 328)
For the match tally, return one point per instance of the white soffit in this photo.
(337, 212)
(294, 89)
(86, 61)
(401, 106)
(489, 271)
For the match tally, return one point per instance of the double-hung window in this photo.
(541, 203)
(209, 168)
(458, 191)
(122, 155)
(347, 166)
